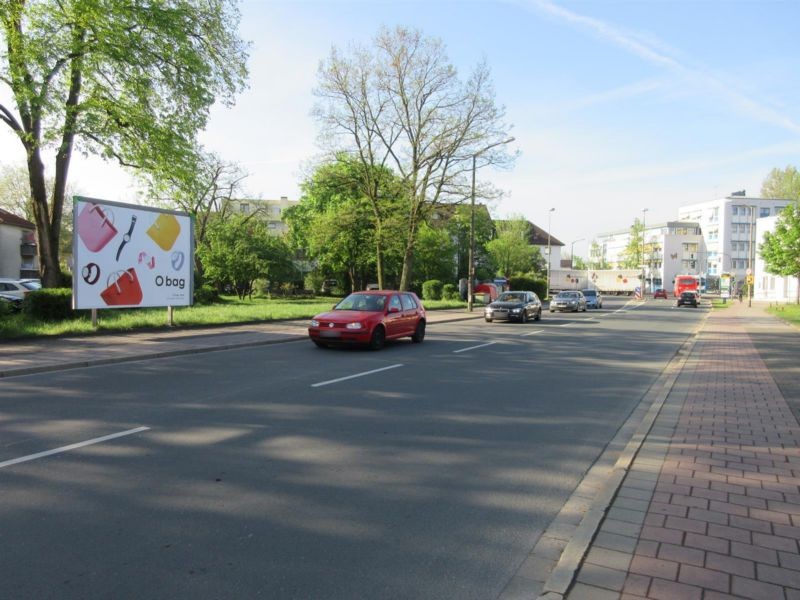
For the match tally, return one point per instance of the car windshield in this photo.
(31, 285)
(567, 295)
(367, 302)
(590, 293)
(511, 297)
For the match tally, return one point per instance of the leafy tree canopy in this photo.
(781, 249)
(782, 183)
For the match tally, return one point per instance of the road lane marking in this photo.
(330, 381)
(568, 324)
(473, 347)
(98, 440)
(532, 333)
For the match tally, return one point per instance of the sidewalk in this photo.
(710, 507)
(31, 356)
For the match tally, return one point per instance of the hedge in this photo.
(49, 304)
(432, 290)
(529, 284)
(450, 292)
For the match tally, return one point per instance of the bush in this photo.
(432, 290)
(529, 284)
(49, 304)
(450, 292)
(206, 294)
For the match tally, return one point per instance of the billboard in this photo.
(126, 255)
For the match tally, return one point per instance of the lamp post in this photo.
(471, 267)
(644, 272)
(572, 252)
(549, 220)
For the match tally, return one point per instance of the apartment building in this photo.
(766, 285)
(18, 248)
(269, 210)
(670, 249)
(729, 231)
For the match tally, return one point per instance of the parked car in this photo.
(370, 318)
(568, 300)
(17, 288)
(662, 293)
(594, 299)
(688, 299)
(518, 306)
(13, 302)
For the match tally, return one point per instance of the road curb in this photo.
(82, 364)
(604, 483)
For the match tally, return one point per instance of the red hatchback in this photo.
(370, 318)
(660, 294)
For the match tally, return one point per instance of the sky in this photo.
(617, 106)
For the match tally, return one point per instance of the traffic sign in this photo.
(749, 279)
(749, 271)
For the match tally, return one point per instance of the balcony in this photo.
(27, 249)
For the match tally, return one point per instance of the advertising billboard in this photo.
(126, 255)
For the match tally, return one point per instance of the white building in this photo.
(18, 252)
(268, 210)
(767, 286)
(728, 227)
(670, 249)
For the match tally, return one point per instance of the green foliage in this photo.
(53, 304)
(450, 292)
(434, 254)
(781, 249)
(432, 290)
(529, 283)
(511, 251)
(206, 294)
(784, 184)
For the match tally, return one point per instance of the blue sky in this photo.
(616, 106)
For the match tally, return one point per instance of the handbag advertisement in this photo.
(127, 255)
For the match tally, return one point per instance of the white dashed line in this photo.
(473, 347)
(532, 332)
(330, 381)
(105, 438)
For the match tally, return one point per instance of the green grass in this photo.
(718, 303)
(228, 311)
(787, 312)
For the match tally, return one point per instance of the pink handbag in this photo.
(95, 227)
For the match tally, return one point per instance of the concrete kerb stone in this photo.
(81, 364)
(563, 575)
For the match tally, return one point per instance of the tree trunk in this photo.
(48, 251)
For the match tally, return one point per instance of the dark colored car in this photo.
(370, 318)
(13, 302)
(517, 306)
(568, 300)
(660, 294)
(688, 299)
(594, 299)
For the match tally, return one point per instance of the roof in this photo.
(7, 218)
(538, 236)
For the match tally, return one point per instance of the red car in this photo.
(370, 318)
(660, 294)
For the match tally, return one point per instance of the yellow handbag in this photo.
(164, 231)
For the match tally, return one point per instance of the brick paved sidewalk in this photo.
(711, 506)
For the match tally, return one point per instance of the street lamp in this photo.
(549, 220)
(644, 273)
(572, 252)
(471, 268)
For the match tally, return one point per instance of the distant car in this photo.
(328, 285)
(370, 318)
(594, 299)
(36, 283)
(688, 299)
(568, 300)
(517, 306)
(14, 287)
(660, 294)
(13, 302)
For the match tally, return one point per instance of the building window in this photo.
(244, 208)
(764, 212)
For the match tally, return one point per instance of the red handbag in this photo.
(125, 291)
(95, 227)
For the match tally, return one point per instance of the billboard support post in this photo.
(170, 320)
(94, 318)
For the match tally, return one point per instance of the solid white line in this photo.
(532, 332)
(330, 381)
(105, 438)
(567, 324)
(473, 347)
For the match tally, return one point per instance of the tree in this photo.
(781, 249)
(400, 103)
(205, 192)
(784, 184)
(596, 258)
(511, 251)
(631, 256)
(579, 263)
(125, 80)
(15, 191)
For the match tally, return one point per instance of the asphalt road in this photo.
(421, 471)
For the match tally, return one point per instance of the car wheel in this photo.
(419, 333)
(320, 344)
(378, 338)
(488, 320)
(552, 310)
(538, 315)
(524, 318)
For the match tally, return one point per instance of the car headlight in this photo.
(354, 326)
(314, 323)
(515, 310)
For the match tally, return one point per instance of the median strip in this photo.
(98, 440)
(330, 381)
